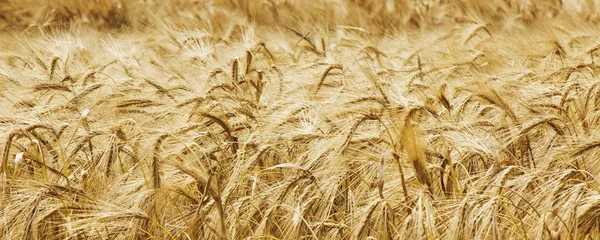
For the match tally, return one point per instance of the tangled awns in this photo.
(293, 119)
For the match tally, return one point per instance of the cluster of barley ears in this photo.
(354, 119)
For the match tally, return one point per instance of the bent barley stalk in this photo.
(325, 74)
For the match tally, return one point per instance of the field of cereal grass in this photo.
(275, 119)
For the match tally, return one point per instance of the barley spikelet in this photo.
(489, 94)
(50, 86)
(75, 100)
(550, 121)
(249, 57)
(474, 31)
(156, 161)
(380, 177)
(262, 46)
(235, 71)
(355, 127)
(274, 67)
(367, 100)
(140, 103)
(367, 219)
(414, 149)
(5, 154)
(586, 148)
(325, 74)
(12, 58)
(232, 139)
(214, 74)
(53, 65)
(160, 89)
(312, 47)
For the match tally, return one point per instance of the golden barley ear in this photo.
(364, 224)
(235, 75)
(230, 137)
(53, 65)
(249, 57)
(325, 74)
(355, 126)
(381, 177)
(414, 149)
(312, 47)
(156, 161)
(262, 46)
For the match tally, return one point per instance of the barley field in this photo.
(293, 119)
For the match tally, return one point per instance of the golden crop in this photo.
(294, 119)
